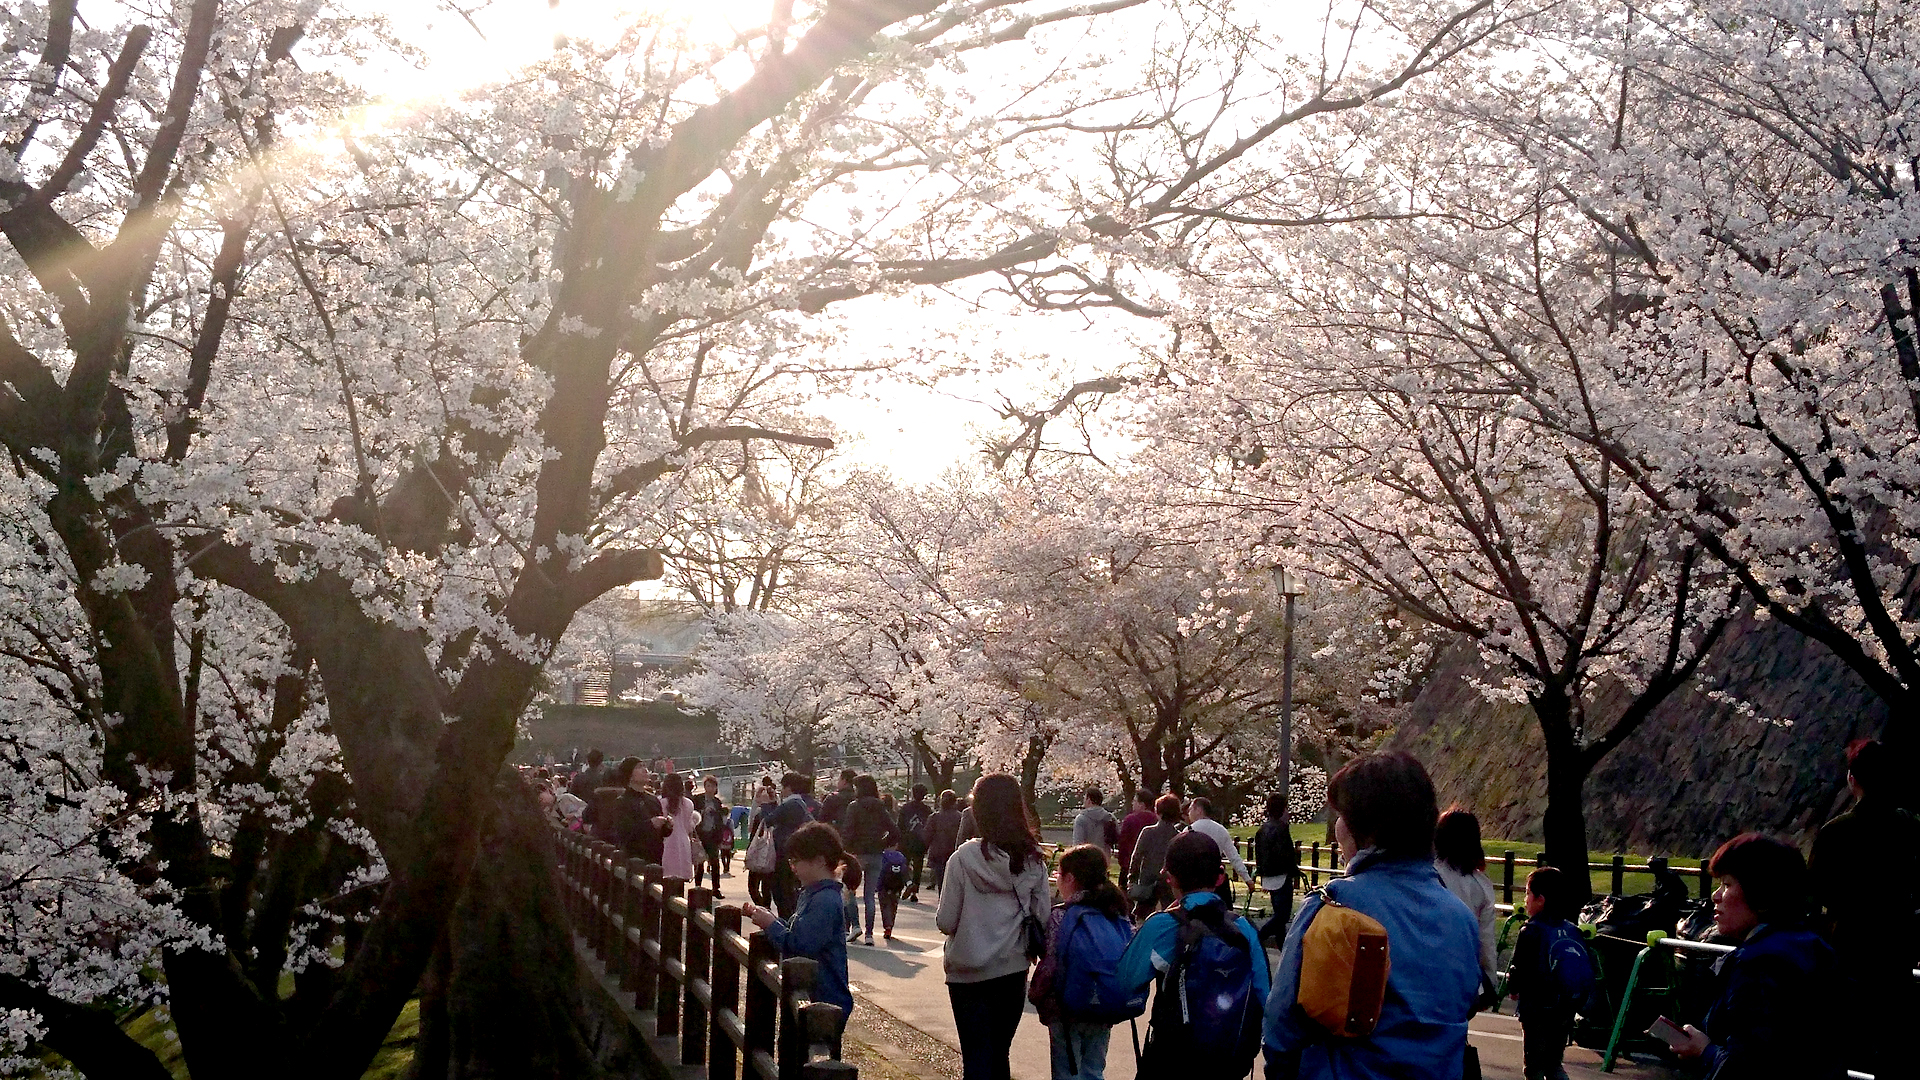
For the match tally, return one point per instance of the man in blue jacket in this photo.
(1386, 814)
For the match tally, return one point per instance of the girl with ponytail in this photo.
(818, 929)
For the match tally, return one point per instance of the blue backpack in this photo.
(1087, 948)
(1206, 1022)
(1570, 968)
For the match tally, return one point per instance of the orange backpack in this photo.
(1343, 969)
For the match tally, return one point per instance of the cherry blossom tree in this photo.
(394, 413)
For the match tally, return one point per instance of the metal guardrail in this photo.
(684, 961)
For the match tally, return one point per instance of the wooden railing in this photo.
(727, 998)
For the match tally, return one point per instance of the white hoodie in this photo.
(980, 906)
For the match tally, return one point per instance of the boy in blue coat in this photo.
(818, 929)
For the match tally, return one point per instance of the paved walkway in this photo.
(905, 980)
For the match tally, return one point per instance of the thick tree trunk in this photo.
(502, 998)
(1564, 826)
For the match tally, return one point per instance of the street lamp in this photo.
(1288, 586)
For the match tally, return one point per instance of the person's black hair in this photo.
(919, 792)
(1168, 807)
(1870, 765)
(847, 776)
(948, 800)
(867, 786)
(1277, 807)
(1456, 841)
(1389, 804)
(1193, 862)
(1088, 865)
(817, 840)
(1093, 795)
(710, 779)
(1000, 814)
(798, 783)
(623, 772)
(1143, 797)
(1556, 888)
(673, 790)
(595, 757)
(1772, 875)
(1202, 804)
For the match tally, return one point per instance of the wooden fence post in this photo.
(763, 1001)
(828, 1070)
(722, 1060)
(646, 979)
(820, 1020)
(796, 981)
(1619, 875)
(602, 895)
(1706, 881)
(666, 1002)
(1509, 878)
(698, 969)
(633, 914)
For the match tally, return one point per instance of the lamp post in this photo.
(1288, 586)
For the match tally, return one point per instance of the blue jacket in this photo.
(786, 817)
(1151, 952)
(1776, 1014)
(1433, 950)
(818, 931)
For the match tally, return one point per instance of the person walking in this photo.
(638, 823)
(817, 929)
(994, 885)
(676, 858)
(1384, 817)
(1211, 969)
(836, 804)
(1200, 820)
(591, 777)
(1137, 819)
(1461, 859)
(913, 839)
(1779, 1012)
(1278, 862)
(713, 825)
(893, 882)
(1079, 1043)
(1865, 869)
(943, 828)
(1538, 976)
(765, 798)
(868, 830)
(1095, 823)
(1148, 892)
(794, 810)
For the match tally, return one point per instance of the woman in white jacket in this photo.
(993, 883)
(1462, 863)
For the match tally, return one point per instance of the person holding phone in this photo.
(1776, 1014)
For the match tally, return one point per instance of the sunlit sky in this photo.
(912, 431)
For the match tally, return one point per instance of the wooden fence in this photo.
(1313, 871)
(727, 998)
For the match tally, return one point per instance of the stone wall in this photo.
(1699, 770)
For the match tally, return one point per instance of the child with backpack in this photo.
(1087, 934)
(893, 881)
(818, 929)
(1552, 973)
(1211, 970)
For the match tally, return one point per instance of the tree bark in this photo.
(1564, 825)
(502, 998)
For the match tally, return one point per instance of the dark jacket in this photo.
(787, 815)
(1150, 851)
(866, 828)
(835, 805)
(713, 818)
(912, 817)
(633, 828)
(1776, 1014)
(943, 830)
(1865, 868)
(1529, 979)
(1273, 852)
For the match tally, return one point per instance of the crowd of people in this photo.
(1378, 972)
